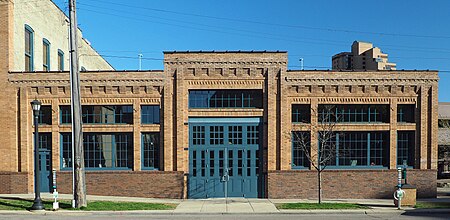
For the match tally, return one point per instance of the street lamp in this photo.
(37, 204)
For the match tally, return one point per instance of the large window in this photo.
(45, 115)
(354, 113)
(225, 98)
(301, 141)
(100, 114)
(29, 48)
(359, 149)
(45, 55)
(405, 113)
(60, 60)
(101, 150)
(301, 113)
(150, 150)
(150, 114)
(405, 148)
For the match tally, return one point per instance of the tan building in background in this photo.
(362, 57)
(212, 119)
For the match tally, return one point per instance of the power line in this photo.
(278, 24)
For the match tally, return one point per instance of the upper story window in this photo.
(29, 48)
(60, 60)
(354, 113)
(248, 98)
(46, 55)
(45, 115)
(150, 114)
(444, 123)
(405, 113)
(301, 113)
(100, 114)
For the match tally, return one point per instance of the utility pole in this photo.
(79, 188)
(140, 60)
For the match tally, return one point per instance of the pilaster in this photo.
(137, 134)
(393, 134)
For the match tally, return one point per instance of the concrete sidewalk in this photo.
(234, 205)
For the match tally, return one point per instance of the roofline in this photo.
(225, 51)
(331, 70)
(98, 71)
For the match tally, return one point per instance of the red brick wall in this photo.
(342, 184)
(13, 183)
(150, 184)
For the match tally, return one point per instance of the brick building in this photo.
(178, 132)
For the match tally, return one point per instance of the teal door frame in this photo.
(221, 146)
(45, 169)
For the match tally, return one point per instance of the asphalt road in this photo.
(138, 216)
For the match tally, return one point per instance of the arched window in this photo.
(29, 48)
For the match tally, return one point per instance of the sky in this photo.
(415, 34)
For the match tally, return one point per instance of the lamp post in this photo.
(37, 204)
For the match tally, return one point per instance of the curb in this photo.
(172, 212)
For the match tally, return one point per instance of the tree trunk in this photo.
(319, 184)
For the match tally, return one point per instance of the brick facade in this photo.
(148, 184)
(346, 184)
(214, 70)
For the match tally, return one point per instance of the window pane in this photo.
(150, 114)
(225, 98)
(45, 115)
(405, 148)
(354, 113)
(150, 150)
(301, 141)
(301, 113)
(101, 150)
(405, 113)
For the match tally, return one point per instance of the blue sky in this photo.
(415, 34)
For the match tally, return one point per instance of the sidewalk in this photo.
(234, 205)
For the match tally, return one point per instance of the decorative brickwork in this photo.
(13, 183)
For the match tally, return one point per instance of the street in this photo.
(132, 216)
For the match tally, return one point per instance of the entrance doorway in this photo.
(224, 158)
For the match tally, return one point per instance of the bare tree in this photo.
(326, 137)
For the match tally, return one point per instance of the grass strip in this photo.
(25, 204)
(326, 205)
(432, 205)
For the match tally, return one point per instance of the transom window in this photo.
(405, 113)
(45, 140)
(100, 114)
(150, 150)
(150, 114)
(354, 113)
(46, 55)
(101, 150)
(29, 48)
(301, 113)
(405, 148)
(225, 98)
